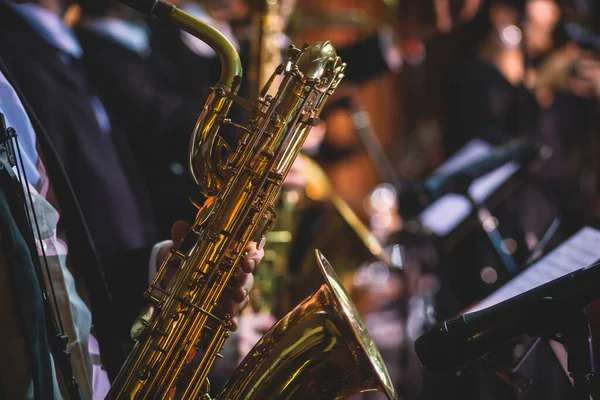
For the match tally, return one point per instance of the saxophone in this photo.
(273, 282)
(321, 349)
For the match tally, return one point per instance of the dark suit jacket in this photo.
(192, 75)
(99, 167)
(138, 95)
(82, 251)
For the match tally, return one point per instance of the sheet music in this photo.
(579, 251)
(446, 213)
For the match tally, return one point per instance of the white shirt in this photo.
(132, 36)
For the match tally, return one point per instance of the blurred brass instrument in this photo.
(343, 14)
(319, 350)
(272, 285)
(319, 188)
(269, 294)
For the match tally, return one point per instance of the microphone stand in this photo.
(493, 234)
(573, 331)
(513, 377)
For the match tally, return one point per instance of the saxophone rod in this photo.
(231, 65)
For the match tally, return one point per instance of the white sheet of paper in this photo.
(446, 213)
(579, 251)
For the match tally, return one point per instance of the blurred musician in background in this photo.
(196, 63)
(518, 82)
(156, 85)
(63, 126)
(138, 86)
(44, 58)
(521, 78)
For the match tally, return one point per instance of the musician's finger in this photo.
(178, 232)
(252, 257)
(242, 285)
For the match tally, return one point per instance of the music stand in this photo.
(567, 326)
(472, 201)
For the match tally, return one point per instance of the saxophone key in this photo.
(206, 312)
(225, 233)
(178, 254)
(158, 350)
(266, 154)
(213, 237)
(227, 262)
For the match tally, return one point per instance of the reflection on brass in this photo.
(319, 350)
(274, 279)
(180, 334)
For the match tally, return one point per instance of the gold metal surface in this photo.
(319, 350)
(271, 292)
(180, 333)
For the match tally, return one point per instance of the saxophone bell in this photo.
(319, 350)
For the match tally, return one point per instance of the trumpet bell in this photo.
(319, 350)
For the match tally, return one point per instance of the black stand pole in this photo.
(581, 356)
(483, 215)
(570, 328)
(573, 331)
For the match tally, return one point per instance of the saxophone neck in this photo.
(231, 65)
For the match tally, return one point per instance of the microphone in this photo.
(456, 342)
(418, 196)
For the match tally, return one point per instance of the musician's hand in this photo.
(242, 283)
(237, 298)
(586, 82)
(553, 74)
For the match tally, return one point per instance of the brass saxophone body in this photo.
(274, 281)
(180, 333)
